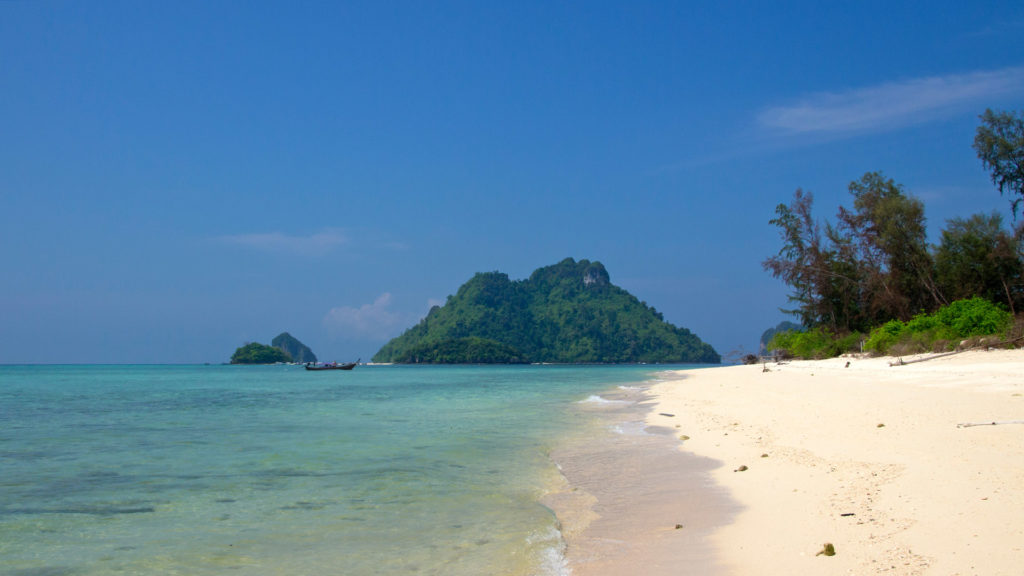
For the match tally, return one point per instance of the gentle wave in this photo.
(595, 399)
(552, 552)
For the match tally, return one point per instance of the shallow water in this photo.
(634, 502)
(265, 470)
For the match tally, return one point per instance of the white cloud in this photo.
(892, 105)
(313, 245)
(376, 321)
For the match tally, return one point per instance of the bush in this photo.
(974, 317)
(814, 343)
(849, 343)
(882, 338)
(939, 331)
(963, 319)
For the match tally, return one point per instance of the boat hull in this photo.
(346, 366)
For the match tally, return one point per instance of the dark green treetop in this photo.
(999, 143)
(566, 313)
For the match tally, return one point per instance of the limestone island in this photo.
(567, 313)
(284, 348)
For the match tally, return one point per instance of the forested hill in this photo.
(566, 313)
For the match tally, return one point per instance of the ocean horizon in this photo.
(272, 470)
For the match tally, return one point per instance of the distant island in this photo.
(566, 313)
(284, 348)
(291, 346)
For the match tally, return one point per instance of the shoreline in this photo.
(628, 494)
(848, 451)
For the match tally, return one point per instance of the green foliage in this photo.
(769, 334)
(977, 257)
(801, 261)
(884, 337)
(999, 143)
(469, 350)
(925, 332)
(566, 313)
(886, 231)
(256, 353)
(814, 343)
(875, 264)
(974, 317)
(848, 343)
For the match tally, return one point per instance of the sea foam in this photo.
(601, 400)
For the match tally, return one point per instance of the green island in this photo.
(283, 348)
(566, 313)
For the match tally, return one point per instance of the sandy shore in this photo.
(868, 457)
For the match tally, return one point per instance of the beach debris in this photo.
(880, 425)
(666, 414)
(827, 550)
(765, 455)
(845, 514)
(679, 526)
(999, 423)
(684, 437)
(742, 468)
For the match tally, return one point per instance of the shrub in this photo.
(849, 343)
(814, 343)
(963, 319)
(974, 317)
(882, 338)
(939, 331)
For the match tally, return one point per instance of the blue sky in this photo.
(179, 178)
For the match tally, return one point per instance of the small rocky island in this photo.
(291, 346)
(284, 348)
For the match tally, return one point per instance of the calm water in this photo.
(269, 470)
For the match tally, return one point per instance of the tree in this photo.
(845, 282)
(976, 257)
(999, 142)
(888, 230)
(801, 262)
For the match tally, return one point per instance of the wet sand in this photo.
(868, 457)
(632, 496)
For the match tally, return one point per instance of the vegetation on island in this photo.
(872, 281)
(256, 353)
(566, 313)
(284, 348)
(291, 346)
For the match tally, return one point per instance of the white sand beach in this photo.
(849, 451)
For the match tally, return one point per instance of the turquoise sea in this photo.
(273, 470)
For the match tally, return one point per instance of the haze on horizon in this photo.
(179, 179)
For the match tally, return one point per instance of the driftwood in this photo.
(902, 362)
(970, 424)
